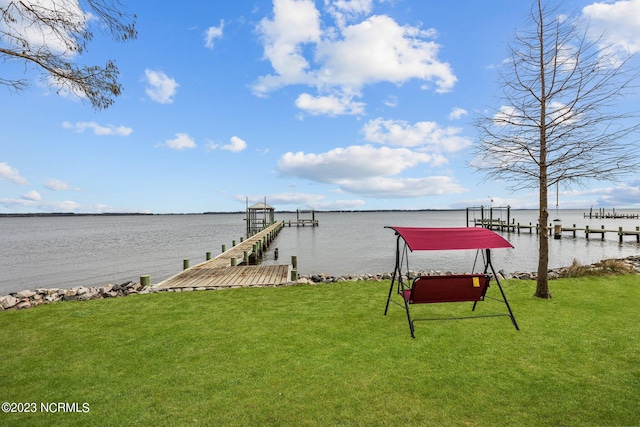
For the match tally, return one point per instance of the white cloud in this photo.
(61, 87)
(340, 62)
(621, 196)
(295, 23)
(506, 116)
(43, 206)
(556, 111)
(457, 113)
(380, 50)
(428, 135)
(235, 145)
(180, 142)
(212, 34)
(32, 205)
(619, 21)
(161, 88)
(32, 195)
(348, 10)
(10, 174)
(330, 105)
(369, 171)
(391, 101)
(354, 162)
(56, 185)
(383, 187)
(15, 26)
(98, 129)
(304, 200)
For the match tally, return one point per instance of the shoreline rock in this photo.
(28, 298)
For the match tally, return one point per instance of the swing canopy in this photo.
(442, 239)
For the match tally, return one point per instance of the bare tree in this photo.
(49, 34)
(558, 122)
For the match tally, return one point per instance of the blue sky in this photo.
(326, 104)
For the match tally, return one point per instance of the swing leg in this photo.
(504, 297)
(411, 326)
(389, 296)
(396, 273)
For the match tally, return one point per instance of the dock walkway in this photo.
(220, 272)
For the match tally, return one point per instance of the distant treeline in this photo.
(67, 214)
(72, 214)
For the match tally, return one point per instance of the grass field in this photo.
(326, 355)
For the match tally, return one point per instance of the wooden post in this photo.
(145, 280)
(224, 248)
(246, 257)
(294, 261)
(586, 231)
(234, 243)
(294, 275)
(208, 256)
(620, 233)
(185, 264)
(234, 261)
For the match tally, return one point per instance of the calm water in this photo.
(95, 250)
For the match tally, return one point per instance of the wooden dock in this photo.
(602, 214)
(499, 225)
(302, 222)
(231, 268)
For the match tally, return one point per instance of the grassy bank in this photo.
(325, 355)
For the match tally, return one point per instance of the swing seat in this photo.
(454, 288)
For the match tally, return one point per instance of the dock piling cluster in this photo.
(555, 229)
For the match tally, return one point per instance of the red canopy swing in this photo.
(454, 288)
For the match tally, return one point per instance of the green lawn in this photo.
(326, 355)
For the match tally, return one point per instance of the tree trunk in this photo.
(542, 287)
